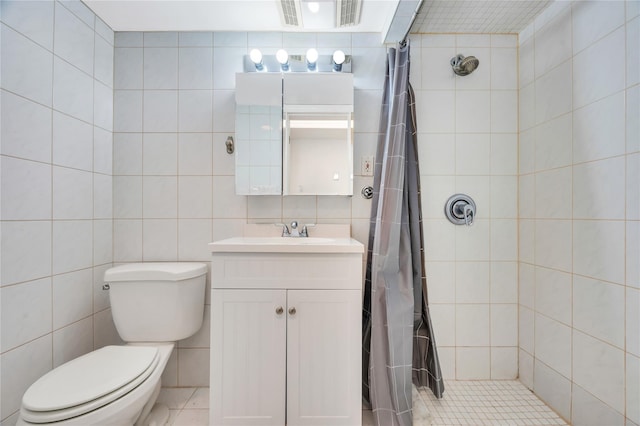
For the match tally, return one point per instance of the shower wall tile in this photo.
(633, 388)
(632, 251)
(553, 292)
(552, 388)
(553, 43)
(632, 321)
(605, 382)
(598, 188)
(503, 74)
(504, 363)
(526, 67)
(633, 57)
(553, 344)
(436, 71)
(608, 300)
(604, 260)
(553, 93)
(584, 174)
(473, 363)
(553, 143)
(473, 111)
(597, 72)
(590, 131)
(504, 111)
(593, 20)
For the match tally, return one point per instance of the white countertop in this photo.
(286, 245)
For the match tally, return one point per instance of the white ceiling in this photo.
(388, 17)
(221, 15)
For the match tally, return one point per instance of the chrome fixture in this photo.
(294, 229)
(338, 59)
(312, 59)
(367, 192)
(256, 58)
(464, 65)
(230, 145)
(283, 58)
(460, 209)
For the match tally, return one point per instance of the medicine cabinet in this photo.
(294, 134)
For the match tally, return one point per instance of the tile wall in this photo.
(467, 130)
(173, 183)
(56, 107)
(579, 207)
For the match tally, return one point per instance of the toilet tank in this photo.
(157, 302)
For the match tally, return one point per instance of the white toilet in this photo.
(153, 306)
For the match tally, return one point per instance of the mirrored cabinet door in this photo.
(318, 154)
(258, 134)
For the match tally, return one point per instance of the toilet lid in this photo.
(99, 377)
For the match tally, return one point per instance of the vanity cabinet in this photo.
(286, 339)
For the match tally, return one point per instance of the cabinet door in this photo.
(248, 357)
(324, 357)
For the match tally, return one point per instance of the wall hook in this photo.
(230, 145)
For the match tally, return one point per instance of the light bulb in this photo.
(338, 59)
(256, 56)
(313, 6)
(283, 58)
(312, 58)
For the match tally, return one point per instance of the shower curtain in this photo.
(398, 343)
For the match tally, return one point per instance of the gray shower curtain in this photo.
(398, 342)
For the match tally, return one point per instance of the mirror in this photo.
(318, 153)
(294, 134)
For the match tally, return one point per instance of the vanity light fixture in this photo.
(283, 58)
(256, 58)
(312, 59)
(338, 59)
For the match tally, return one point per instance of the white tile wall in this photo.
(468, 143)
(56, 157)
(582, 345)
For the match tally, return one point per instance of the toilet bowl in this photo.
(153, 305)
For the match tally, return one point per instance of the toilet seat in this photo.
(88, 383)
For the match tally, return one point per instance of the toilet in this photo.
(153, 306)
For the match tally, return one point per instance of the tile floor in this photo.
(494, 403)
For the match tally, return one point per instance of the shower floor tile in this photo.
(495, 403)
(474, 403)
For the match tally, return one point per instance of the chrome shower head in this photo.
(464, 65)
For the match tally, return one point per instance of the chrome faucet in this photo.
(294, 230)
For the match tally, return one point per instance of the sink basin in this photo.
(286, 245)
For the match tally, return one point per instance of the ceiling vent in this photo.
(326, 14)
(290, 13)
(348, 12)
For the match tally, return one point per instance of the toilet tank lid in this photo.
(155, 271)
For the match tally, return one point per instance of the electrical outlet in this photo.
(366, 166)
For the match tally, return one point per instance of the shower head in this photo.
(464, 65)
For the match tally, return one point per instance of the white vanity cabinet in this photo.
(286, 338)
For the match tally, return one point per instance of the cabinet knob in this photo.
(292, 311)
(279, 310)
